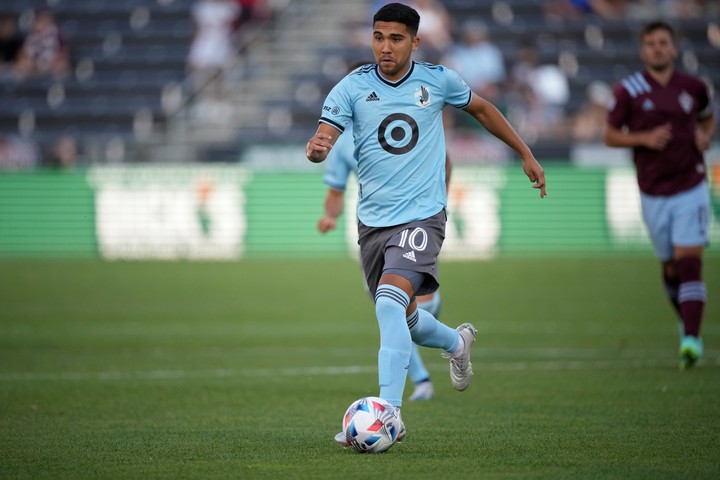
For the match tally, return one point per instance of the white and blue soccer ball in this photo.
(371, 425)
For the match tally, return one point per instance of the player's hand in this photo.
(326, 223)
(318, 147)
(702, 139)
(536, 174)
(659, 137)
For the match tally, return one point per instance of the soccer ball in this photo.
(371, 425)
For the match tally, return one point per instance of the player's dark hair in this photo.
(657, 25)
(397, 12)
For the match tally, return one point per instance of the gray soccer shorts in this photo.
(412, 246)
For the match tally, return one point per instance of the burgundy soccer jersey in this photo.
(641, 103)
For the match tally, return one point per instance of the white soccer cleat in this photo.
(460, 367)
(341, 439)
(423, 391)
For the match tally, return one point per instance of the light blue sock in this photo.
(417, 371)
(428, 331)
(395, 342)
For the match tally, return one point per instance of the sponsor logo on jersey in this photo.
(648, 105)
(373, 97)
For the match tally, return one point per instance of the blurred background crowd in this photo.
(121, 81)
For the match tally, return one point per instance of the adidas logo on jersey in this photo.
(410, 256)
(648, 105)
(372, 97)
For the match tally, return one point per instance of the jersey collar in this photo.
(399, 82)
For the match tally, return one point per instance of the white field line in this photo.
(480, 365)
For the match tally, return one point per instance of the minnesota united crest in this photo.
(423, 96)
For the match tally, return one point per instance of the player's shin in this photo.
(395, 342)
(692, 293)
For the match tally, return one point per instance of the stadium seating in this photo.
(126, 54)
(596, 48)
(123, 54)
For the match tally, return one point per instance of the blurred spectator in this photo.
(538, 95)
(63, 154)
(689, 8)
(589, 122)
(45, 50)
(10, 43)
(250, 11)
(577, 9)
(478, 61)
(435, 30)
(212, 47)
(16, 153)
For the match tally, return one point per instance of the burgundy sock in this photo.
(691, 293)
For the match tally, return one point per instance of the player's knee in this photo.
(385, 306)
(431, 305)
(390, 302)
(689, 268)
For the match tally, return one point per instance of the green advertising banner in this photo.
(227, 212)
(46, 214)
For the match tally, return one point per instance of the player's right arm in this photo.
(321, 143)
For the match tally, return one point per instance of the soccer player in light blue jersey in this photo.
(395, 109)
(339, 166)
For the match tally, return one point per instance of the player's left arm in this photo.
(494, 122)
(704, 132)
(333, 209)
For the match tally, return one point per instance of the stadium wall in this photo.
(228, 212)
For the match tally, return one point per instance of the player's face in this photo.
(392, 46)
(658, 50)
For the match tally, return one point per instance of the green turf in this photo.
(243, 370)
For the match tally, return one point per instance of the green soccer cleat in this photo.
(691, 349)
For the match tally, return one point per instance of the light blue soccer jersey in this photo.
(341, 161)
(399, 139)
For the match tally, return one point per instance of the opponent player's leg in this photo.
(657, 216)
(690, 225)
(692, 295)
(671, 283)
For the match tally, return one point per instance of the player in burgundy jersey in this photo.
(666, 117)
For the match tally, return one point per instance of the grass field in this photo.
(243, 370)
